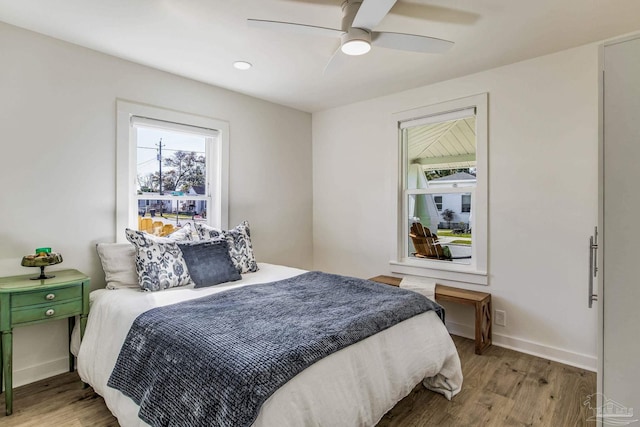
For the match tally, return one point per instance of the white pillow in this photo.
(119, 265)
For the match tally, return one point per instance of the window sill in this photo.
(452, 272)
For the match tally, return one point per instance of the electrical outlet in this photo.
(500, 318)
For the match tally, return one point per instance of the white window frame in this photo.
(475, 272)
(126, 161)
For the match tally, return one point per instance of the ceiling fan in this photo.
(359, 17)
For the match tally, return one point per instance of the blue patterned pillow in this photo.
(239, 239)
(159, 261)
(207, 232)
(209, 262)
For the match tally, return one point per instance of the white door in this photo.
(620, 295)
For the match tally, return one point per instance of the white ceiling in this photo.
(200, 39)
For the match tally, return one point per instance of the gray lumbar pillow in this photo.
(209, 262)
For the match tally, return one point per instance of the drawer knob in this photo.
(50, 312)
(50, 296)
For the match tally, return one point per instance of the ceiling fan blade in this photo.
(410, 42)
(294, 28)
(371, 13)
(337, 62)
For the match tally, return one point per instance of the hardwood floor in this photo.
(501, 388)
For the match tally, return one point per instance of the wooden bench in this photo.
(480, 300)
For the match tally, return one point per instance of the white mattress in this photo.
(355, 386)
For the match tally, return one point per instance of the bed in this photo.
(354, 386)
(219, 339)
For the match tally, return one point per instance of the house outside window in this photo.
(172, 170)
(443, 202)
(459, 205)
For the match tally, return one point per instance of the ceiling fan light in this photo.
(356, 47)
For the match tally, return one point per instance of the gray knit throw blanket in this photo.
(213, 361)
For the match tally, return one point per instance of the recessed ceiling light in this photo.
(242, 65)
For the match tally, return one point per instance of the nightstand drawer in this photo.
(40, 297)
(46, 311)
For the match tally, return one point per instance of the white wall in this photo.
(543, 136)
(57, 115)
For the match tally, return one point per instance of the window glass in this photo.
(440, 178)
(438, 200)
(466, 203)
(171, 166)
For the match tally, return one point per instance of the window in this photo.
(466, 203)
(442, 214)
(438, 200)
(172, 169)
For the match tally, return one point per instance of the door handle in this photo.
(593, 265)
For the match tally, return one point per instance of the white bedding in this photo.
(355, 386)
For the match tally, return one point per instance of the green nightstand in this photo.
(27, 302)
